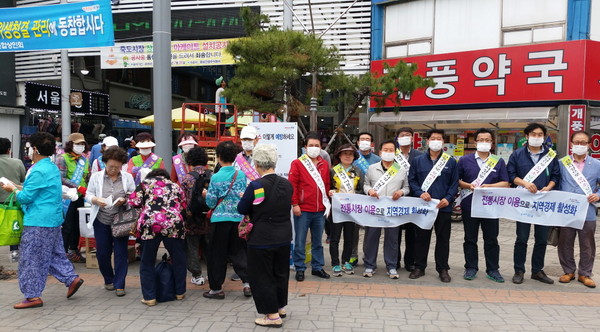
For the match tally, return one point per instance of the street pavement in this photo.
(347, 303)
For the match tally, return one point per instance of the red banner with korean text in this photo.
(540, 72)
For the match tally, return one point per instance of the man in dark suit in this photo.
(404, 141)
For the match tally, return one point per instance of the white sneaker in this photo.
(198, 280)
(393, 274)
(14, 256)
(368, 273)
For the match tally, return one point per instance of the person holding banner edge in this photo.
(434, 175)
(386, 178)
(481, 169)
(534, 168)
(404, 138)
(309, 176)
(580, 174)
(365, 159)
(345, 178)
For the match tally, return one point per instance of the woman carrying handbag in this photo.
(108, 191)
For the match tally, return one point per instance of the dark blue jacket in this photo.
(468, 170)
(520, 163)
(445, 186)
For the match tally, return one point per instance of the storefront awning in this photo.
(448, 119)
(523, 114)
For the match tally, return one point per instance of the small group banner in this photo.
(66, 26)
(384, 212)
(550, 208)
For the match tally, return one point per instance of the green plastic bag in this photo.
(11, 222)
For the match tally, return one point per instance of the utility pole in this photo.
(65, 93)
(161, 82)
(288, 17)
(313, 98)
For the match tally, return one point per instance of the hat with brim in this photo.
(349, 148)
(76, 138)
(248, 132)
(145, 145)
(187, 141)
(110, 141)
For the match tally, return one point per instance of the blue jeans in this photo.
(539, 248)
(176, 249)
(316, 223)
(105, 243)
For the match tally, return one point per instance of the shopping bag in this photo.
(165, 281)
(11, 222)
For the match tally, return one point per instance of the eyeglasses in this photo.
(581, 143)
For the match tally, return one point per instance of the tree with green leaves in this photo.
(271, 61)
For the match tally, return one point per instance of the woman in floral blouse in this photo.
(162, 202)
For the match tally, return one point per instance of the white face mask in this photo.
(186, 148)
(404, 140)
(313, 151)
(580, 149)
(145, 152)
(436, 145)
(30, 153)
(248, 145)
(535, 141)
(484, 146)
(78, 149)
(364, 145)
(388, 156)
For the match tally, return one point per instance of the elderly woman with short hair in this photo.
(113, 182)
(268, 202)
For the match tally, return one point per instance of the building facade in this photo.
(498, 64)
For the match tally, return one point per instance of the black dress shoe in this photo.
(416, 274)
(518, 277)
(219, 296)
(247, 292)
(321, 274)
(299, 275)
(409, 268)
(541, 276)
(444, 276)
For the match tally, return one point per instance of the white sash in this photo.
(344, 178)
(577, 175)
(540, 166)
(435, 171)
(386, 177)
(314, 173)
(402, 160)
(484, 172)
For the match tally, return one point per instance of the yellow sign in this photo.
(185, 53)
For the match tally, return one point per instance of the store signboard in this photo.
(186, 24)
(190, 53)
(64, 26)
(576, 118)
(43, 97)
(540, 72)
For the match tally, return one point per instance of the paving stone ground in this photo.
(348, 303)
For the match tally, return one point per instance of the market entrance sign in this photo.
(66, 26)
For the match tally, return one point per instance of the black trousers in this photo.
(70, 227)
(409, 244)
(268, 274)
(334, 243)
(491, 249)
(224, 243)
(442, 244)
